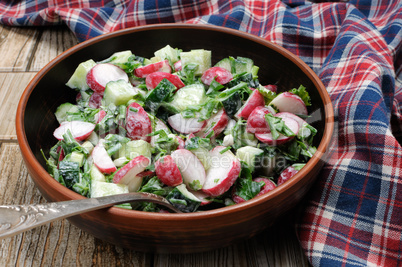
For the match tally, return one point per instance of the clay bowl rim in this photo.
(67, 194)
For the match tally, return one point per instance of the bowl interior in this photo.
(48, 88)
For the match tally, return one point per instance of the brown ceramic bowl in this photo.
(145, 231)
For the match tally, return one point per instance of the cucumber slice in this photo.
(119, 57)
(156, 96)
(102, 189)
(77, 157)
(88, 146)
(251, 155)
(118, 93)
(200, 57)
(190, 95)
(96, 175)
(169, 53)
(225, 63)
(79, 78)
(62, 111)
(134, 149)
(243, 64)
(183, 199)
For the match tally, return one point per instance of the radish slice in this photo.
(153, 79)
(256, 99)
(138, 124)
(269, 185)
(185, 125)
(216, 123)
(95, 100)
(102, 160)
(289, 102)
(286, 174)
(162, 66)
(267, 137)
(256, 122)
(191, 168)
(271, 87)
(101, 74)
(128, 174)
(80, 130)
(100, 115)
(224, 170)
(167, 171)
(182, 143)
(284, 115)
(221, 75)
(177, 66)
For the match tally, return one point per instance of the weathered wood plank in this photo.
(12, 85)
(16, 47)
(59, 243)
(52, 42)
(277, 246)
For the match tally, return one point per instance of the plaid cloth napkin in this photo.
(354, 214)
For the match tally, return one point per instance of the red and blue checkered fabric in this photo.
(354, 212)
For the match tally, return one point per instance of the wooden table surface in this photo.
(24, 51)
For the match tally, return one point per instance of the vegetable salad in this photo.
(203, 136)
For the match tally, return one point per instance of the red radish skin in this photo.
(100, 115)
(128, 174)
(79, 129)
(138, 124)
(61, 153)
(95, 100)
(268, 186)
(289, 102)
(216, 123)
(177, 66)
(185, 125)
(256, 122)
(224, 170)
(182, 143)
(256, 99)
(153, 79)
(190, 166)
(78, 97)
(286, 174)
(271, 87)
(102, 160)
(101, 74)
(167, 171)
(162, 66)
(146, 174)
(221, 75)
(267, 137)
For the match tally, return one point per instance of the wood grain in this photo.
(12, 85)
(51, 43)
(16, 47)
